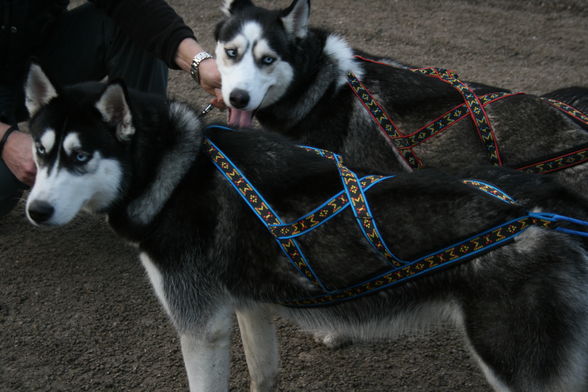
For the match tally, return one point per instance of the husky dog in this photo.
(171, 186)
(296, 81)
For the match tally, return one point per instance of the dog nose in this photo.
(239, 98)
(40, 211)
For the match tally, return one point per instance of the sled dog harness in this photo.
(353, 196)
(473, 107)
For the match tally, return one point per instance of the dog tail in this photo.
(575, 96)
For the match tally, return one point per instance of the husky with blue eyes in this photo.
(244, 222)
(310, 85)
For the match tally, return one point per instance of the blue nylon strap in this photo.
(430, 262)
(290, 248)
(490, 190)
(366, 188)
(361, 210)
(555, 218)
(401, 270)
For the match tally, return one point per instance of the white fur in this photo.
(71, 143)
(156, 280)
(171, 170)
(115, 110)
(491, 377)
(265, 84)
(226, 6)
(388, 326)
(69, 192)
(260, 344)
(296, 22)
(206, 353)
(339, 50)
(48, 140)
(38, 90)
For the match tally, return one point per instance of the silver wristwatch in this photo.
(196, 63)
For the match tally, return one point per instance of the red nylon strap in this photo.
(475, 108)
(569, 110)
(387, 126)
(558, 162)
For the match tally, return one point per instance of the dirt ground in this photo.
(77, 312)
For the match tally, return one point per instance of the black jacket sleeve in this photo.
(151, 24)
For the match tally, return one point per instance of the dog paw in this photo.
(332, 340)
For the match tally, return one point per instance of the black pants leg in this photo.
(85, 45)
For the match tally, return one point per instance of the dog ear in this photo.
(295, 18)
(114, 108)
(229, 7)
(38, 89)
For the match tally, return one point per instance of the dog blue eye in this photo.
(232, 53)
(81, 157)
(268, 60)
(41, 150)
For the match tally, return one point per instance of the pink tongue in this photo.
(240, 118)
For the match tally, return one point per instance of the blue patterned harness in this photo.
(353, 196)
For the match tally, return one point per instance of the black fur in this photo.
(316, 110)
(523, 306)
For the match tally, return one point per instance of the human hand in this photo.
(18, 156)
(210, 81)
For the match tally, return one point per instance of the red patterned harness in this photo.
(473, 107)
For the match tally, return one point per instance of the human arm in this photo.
(17, 154)
(155, 26)
(150, 24)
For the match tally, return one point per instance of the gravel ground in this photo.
(77, 312)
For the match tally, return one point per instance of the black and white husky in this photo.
(296, 81)
(163, 181)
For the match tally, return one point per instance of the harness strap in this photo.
(353, 195)
(475, 109)
(354, 189)
(459, 252)
(363, 215)
(262, 210)
(450, 118)
(491, 190)
(568, 109)
(323, 153)
(557, 161)
(386, 125)
(323, 213)
(558, 219)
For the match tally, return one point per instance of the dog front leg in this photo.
(260, 343)
(206, 354)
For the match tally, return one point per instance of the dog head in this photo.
(79, 136)
(253, 57)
